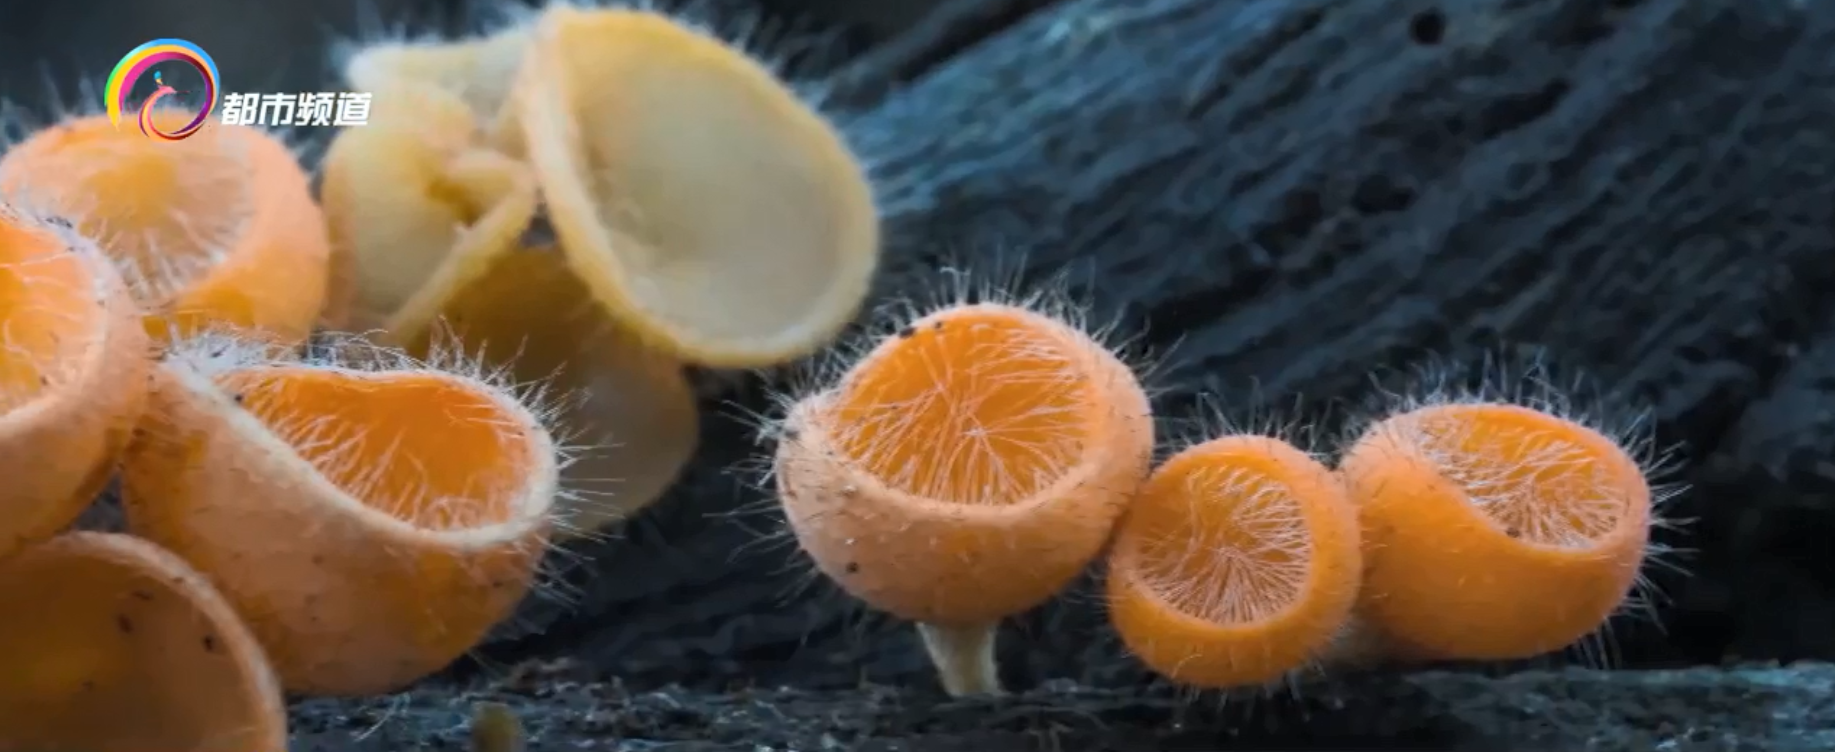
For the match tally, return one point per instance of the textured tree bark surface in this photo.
(1293, 199)
(1746, 710)
(1294, 195)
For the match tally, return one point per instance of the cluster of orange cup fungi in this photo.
(971, 462)
(592, 202)
(693, 212)
(313, 524)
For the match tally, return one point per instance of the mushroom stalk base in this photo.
(964, 657)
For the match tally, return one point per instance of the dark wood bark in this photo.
(1299, 194)
(1707, 709)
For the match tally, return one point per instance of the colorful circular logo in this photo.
(141, 61)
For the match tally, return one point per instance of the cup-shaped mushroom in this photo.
(116, 645)
(217, 229)
(1495, 531)
(73, 376)
(965, 470)
(478, 71)
(405, 194)
(371, 524)
(1237, 564)
(703, 204)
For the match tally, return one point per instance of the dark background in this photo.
(48, 47)
(1752, 410)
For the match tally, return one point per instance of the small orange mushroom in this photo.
(371, 519)
(1238, 563)
(1494, 531)
(966, 469)
(219, 229)
(524, 312)
(73, 376)
(705, 206)
(115, 645)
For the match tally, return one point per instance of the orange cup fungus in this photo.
(370, 519)
(1238, 563)
(524, 312)
(704, 205)
(964, 470)
(114, 645)
(219, 229)
(1494, 531)
(73, 376)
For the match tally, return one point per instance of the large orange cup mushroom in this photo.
(966, 469)
(115, 645)
(371, 520)
(73, 376)
(705, 206)
(219, 229)
(1238, 563)
(1494, 531)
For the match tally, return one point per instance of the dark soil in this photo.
(1758, 709)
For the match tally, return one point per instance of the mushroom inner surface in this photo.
(1535, 476)
(423, 447)
(1228, 545)
(739, 204)
(982, 407)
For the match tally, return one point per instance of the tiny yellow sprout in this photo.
(496, 728)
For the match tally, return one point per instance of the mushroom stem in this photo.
(964, 656)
